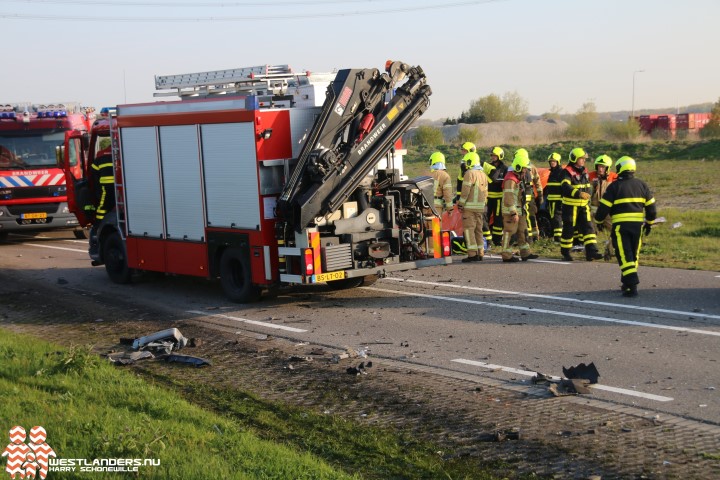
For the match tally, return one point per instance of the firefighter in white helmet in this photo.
(473, 198)
(514, 217)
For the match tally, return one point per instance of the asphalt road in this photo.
(658, 351)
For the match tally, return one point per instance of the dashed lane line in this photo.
(596, 386)
(564, 299)
(549, 312)
(251, 322)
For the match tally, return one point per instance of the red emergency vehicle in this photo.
(254, 180)
(35, 142)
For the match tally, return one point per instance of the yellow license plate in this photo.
(324, 277)
(28, 216)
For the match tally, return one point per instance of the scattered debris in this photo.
(128, 358)
(582, 371)
(677, 225)
(189, 359)
(569, 387)
(170, 333)
(195, 342)
(298, 358)
(317, 351)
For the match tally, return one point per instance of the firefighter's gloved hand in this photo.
(449, 208)
(585, 195)
(647, 228)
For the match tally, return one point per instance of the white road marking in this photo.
(550, 312)
(564, 299)
(252, 322)
(596, 386)
(55, 248)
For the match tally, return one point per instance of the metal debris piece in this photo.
(569, 387)
(337, 357)
(588, 372)
(170, 333)
(189, 359)
(125, 358)
(317, 351)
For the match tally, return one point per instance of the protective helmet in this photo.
(469, 147)
(437, 157)
(603, 160)
(499, 152)
(577, 153)
(471, 159)
(625, 164)
(521, 160)
(554, 157)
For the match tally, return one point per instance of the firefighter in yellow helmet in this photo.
(443, 190)
(576, 216)
(495, 194)
(472, 205)
(599, 181)
(514, 216)
(465, 148)
(631, 206)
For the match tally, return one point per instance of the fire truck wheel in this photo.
(236, 277)
(81, 233)
(115, 259)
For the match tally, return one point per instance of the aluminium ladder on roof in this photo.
(264, 79)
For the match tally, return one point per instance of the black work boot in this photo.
(532, 256)
(592, 253)
(629, 291)
(511, 260)
(566, 255)
(468, 259)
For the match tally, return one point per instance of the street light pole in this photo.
(632, 115)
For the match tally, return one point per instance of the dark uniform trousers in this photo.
(626, 239)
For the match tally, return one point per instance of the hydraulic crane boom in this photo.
(353, 132)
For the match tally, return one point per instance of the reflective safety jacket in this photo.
(552, 187)
(474, 190)
(599, 185)
(443, 189)
(513, 194)
(495, 188)
(627, 199)
(574, 181)
(532, 181)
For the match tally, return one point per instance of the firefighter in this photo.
(553, 195)
(533, 196)
(514, 217)
(103, 179)
(472, 205)
(631, 206)
(599, 181)
(575, 188)
(443, 190)
(467, 147)
(495, 194)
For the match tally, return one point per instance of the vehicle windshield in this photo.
(29, 150)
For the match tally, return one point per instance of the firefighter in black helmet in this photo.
(631, 206)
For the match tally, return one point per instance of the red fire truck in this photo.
(253, 179)
(35, 140)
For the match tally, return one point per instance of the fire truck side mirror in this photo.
(85, 141)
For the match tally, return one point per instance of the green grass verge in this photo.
(92, 410)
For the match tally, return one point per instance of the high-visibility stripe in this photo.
(628, 217)
(315, 245)
(437, 245)
(629, 200)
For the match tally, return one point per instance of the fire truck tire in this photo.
(236, 277)
(81, 233)
(115, 259)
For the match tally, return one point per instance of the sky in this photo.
(556, 54)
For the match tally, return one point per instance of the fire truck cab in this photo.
(252, 179)
(35, 142)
